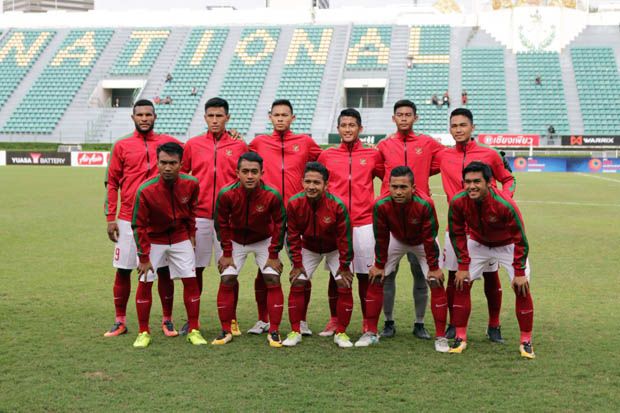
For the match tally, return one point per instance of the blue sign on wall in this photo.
(548, 164)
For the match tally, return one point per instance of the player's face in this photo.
(404, 118)
(281, 118)
(461, 128)
(216, 119)
(401, 189)
(476, 186)
(249, 174)
(314, 185)
(348, 129)
(144, 118)
(169, 166)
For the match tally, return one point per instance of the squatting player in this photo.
(406, 222)
(250, 218)
(352, 169)
(164, 225)
(485, 226)
(318, 227)
(285, 155)
(133, 161)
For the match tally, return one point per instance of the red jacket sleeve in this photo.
(294, 236)
(278, 216)
(516, 226)
(379, 170)
(186, 165)
(381, 230)
(429, 230)
(139, 224)
(314, 150)
(503, 175)
(193, 203)
(458, 236)
(436, 150)
(345, 237)
(112, 183)
(221, 220)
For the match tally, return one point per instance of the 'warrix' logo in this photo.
(184, 200)
(295, 148)
(363, 161)
(418, 151)
(229, 152)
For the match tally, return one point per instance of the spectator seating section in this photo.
(598, 86)
(192, 70)
(140, 52)
(485, 82)
(369, 48)
(50, 95)
(428, 74)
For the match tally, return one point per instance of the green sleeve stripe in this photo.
(297, 196)
(429, 208)
(188, 177)
(347, 222)
(283, 214)
(519, 224)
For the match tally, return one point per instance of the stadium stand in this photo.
(369, 48)
(484, 80)
(192, 70)
(51, 94)
(542, 104)
(140, 52)
(598, 85)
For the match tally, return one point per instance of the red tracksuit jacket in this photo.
(412, 223)
(285, 158)
(163, 213)
(247, 217)
(352, 169)
(454, 160)
(214, 163)
(495, 221)
(419, 152)
(133, 161)
(322, 226)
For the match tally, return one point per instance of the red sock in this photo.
(121, 290)
(144, 299)
(165, 287)
(236, 290)
(345, 308)
(191, 297)
(199, 271)
(332, 296)
(493, 292)
(260, 293)
(296, 305)
(439, 307)
(374, 303)
(462, 309)
(307, 295)
(450, 293)
(225, 301)
(524, 307)
(275, 305)
(362, 288)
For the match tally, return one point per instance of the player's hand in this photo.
(521, 285)
(274, 263)
(375, 272)
(435, 278)
(143, 269)
(460, 278)
(193, 241)
(347, 277)
(234, 134)
(113, 231)
(296, 273)
(225, 262)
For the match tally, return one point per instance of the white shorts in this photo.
(179, 257)
(396, 251)
(125, 252)
(206, 241)
(311, 261)
(240, 254)
(450, 262)
(363, 249)
(481, 256)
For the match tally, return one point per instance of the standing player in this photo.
(319, 227)
(164, 225)
(285, 155)
(421, 154)
(133, 161)
(212, 158)
(406, 222)
(250, 218)
(352, 169)
(453, 161)
(486, 226)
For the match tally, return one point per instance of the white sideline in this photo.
(598, 177)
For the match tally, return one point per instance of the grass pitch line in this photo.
(598, 177)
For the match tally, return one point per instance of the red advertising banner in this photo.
(90, 159)
(497, 139)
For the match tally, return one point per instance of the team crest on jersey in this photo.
(327, 219)
(229, 152)
(184, 200)
(414, 221)
(492, 219)
(363, 161)
(295, 148)
(260, 208)
(418, 151)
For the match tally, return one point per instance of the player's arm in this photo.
(379, 167)
(381, 230)
(431, 248)
(521, 250)
(345, 238)
(458, 238)
(190, 225)
(504, 176)
(113, 176)
(221, 221)
(278, 217)
(436, 150)
(139, 225)
(186, 163)
(314, 150)
(293, 239)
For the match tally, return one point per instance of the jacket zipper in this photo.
(463, 165)
(402, 214)
(148, 159)
(174, 215)
(350, 178)
(406, 151)
(282, 143)
(314, 223)
(479, 205)
(247, 218)
(214, 175)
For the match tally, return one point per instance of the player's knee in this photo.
(230, 279)
(341, 283)
(299, 283)
(271, 279)
(362, 277)
(163, 271)
(123, 272)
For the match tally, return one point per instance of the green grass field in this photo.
(56, 301)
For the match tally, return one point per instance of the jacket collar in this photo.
(151, 136)
(467, 146)
(408, 137)
(353, 146)
(288, 134)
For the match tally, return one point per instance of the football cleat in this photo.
(196, 338)
(330, 328)
(168, 328)
(367, 339)
(117, 329)
(304, 329)
(184, 329)
(389, 329)
(458, 346)
(274, 339)
(143, 340)
(343, 340)
(292, 339)
(441, 345)
(527, 351)
(234, 328)
(450, 332)
(495, 334)
(224, 338)
(420, 331)
(259, 328)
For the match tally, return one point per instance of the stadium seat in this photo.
(369, 48)
(140, 52)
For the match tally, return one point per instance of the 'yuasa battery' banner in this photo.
(38, 158)
(582, 140)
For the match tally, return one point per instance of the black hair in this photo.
(171, 148)
(463, 112)
(250, 157)
(405, 103)
(477, 166)
(351, 113)
(282, 102)
(402, 171)
(217, 103)
(143, 102)
(317, 167)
